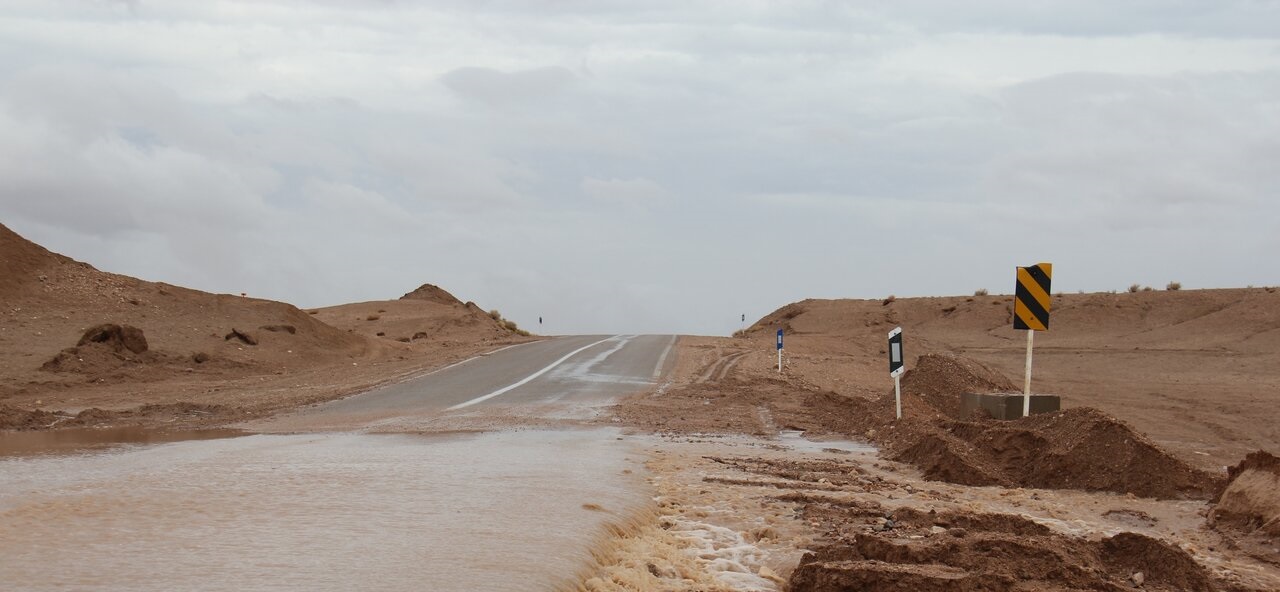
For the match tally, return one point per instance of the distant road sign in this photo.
(1031, 297)
(779, 338)
(896, 363)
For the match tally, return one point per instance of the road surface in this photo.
(565, 373)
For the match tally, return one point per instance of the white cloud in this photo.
(337, 150)
(639, 193)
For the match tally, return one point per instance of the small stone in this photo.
(937, 530)
(771, 575)
(1138, 578)
(958, 533)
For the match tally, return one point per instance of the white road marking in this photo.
(581, 371)
(662, 360)
(528, 378)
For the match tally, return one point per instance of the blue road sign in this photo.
(779, 338)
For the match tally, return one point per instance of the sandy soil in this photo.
(207, 358)
(1193, 370)
(1119, 491)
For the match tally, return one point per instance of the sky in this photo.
(645, 167)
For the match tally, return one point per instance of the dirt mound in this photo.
(13, 418)
(117, 337)
(427, 314)
(432, 293)
(1248, 511)
(181, 413)
(23, 262)
(915, 551)
(941, 379)
(1124, 353)
(1079, 448)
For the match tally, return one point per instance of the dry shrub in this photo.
(1173, 286)
(980, 292)
(1133, 288)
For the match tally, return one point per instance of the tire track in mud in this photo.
(720, 369)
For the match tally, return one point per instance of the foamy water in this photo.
(496, 511)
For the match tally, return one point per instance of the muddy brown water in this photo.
(43, 442)
(338, 511)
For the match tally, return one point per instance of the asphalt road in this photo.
(584, 369)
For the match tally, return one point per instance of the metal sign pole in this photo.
(1026, 387)
(897, 393)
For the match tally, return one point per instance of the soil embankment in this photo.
(1192, 369)
(79, 346)
(1027, 502)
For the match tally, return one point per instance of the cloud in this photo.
(332, 151)
(638, 193)
(491, 86)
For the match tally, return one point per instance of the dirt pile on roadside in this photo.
(1124, 353)
(426, 315)
(1080, 448)
(1248, 511)
(940, 380)
(128, 332)
(117, 337)
(432, 293)
(103, 348)
(14, 418)
(916, 551)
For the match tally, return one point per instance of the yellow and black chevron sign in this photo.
(1031, 298)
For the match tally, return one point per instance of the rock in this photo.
(243, 336)
(770, 575)
(1138, 578)
(119, 337)
(937, 530)
(199, 357)
(958, 533)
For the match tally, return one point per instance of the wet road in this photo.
(568, 373)
(495, 510)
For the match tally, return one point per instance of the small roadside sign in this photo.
(896, 364)
(779, 351)
(1031, 301)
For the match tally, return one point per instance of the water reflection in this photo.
(70, 440)
(497, 511)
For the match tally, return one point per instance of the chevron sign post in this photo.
(1031, 304)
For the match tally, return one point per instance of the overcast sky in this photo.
(645, 166)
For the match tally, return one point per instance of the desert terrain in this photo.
(1158, 474)
(1130, 486)
(203, 359)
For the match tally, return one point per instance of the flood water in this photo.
(493, 511)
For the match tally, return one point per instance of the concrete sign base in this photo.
(1007, 405)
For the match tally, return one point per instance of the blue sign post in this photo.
(779, 351)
